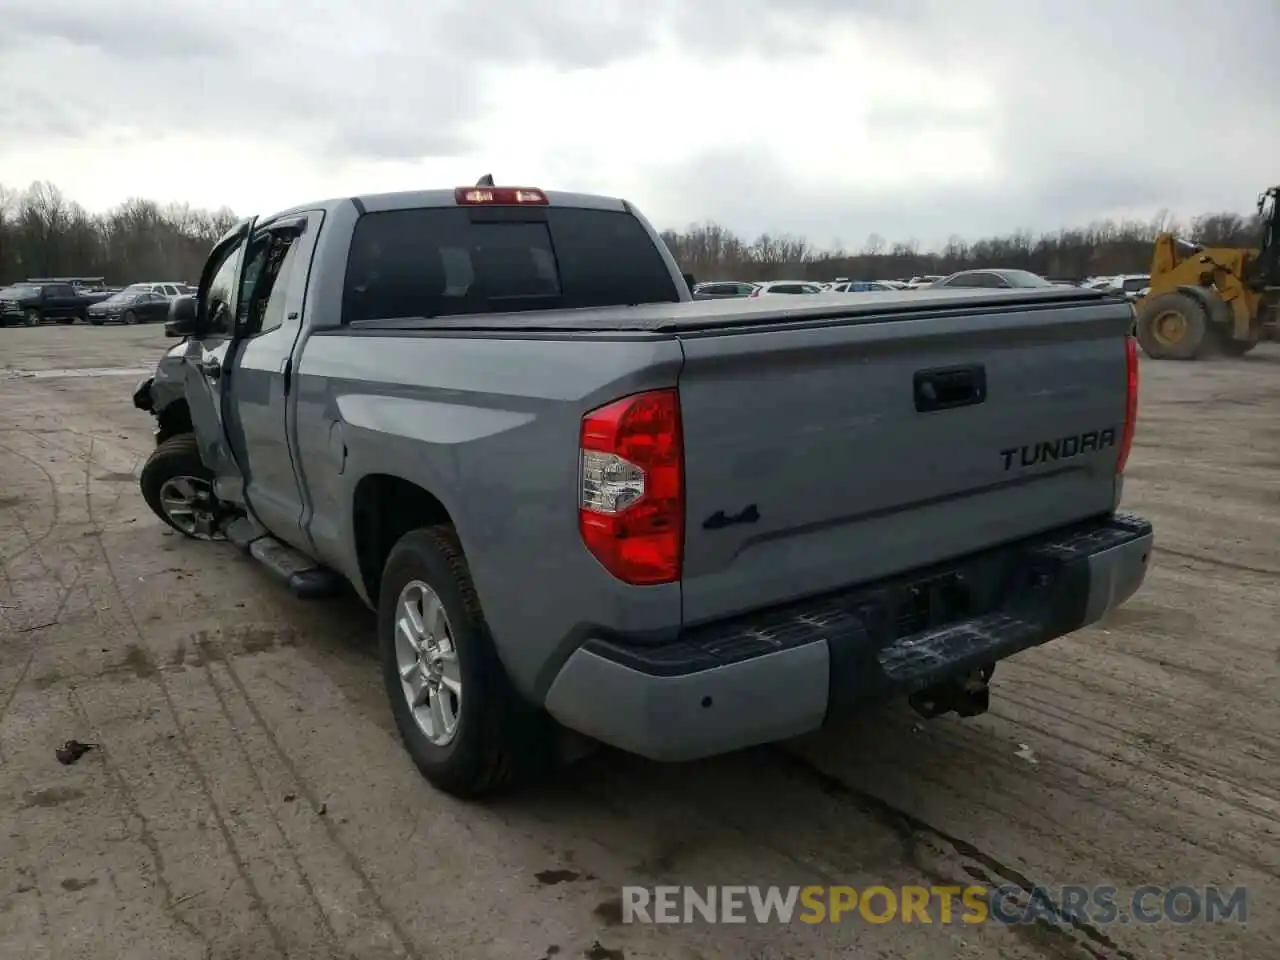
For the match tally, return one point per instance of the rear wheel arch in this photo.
(384, 507)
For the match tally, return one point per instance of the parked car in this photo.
(136, 303)
(998, 279)
(722, 290)
(860, 286)
(33, 303)
(792, 287)
(574, 495)
(1132, 285)
(166, 287)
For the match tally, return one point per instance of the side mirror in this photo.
(182, 317)
(690, 281)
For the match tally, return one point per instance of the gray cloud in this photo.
(1099, 107)
(155, 35)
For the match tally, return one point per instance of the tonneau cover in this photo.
(702, 315)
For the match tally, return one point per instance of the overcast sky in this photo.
(831, 119)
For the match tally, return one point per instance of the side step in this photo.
(306, 579)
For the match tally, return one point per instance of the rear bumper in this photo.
(780, 673)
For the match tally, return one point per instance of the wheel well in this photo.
(1216, 309)
(175, 419)
(385, 508)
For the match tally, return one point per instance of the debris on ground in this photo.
(71, 751)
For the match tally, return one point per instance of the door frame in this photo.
(207, 359)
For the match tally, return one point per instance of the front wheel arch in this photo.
(174, 420)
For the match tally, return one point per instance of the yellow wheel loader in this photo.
(1213, 300)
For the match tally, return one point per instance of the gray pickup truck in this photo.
(577, 498)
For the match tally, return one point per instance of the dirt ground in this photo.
(249, 797)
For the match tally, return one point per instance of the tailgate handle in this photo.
(947, 388)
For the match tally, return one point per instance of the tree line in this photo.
(43, 233)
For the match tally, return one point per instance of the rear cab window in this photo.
(457, 261)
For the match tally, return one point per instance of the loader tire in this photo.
(1174, 326)
(1229, 346)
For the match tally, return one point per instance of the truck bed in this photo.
(714, 315)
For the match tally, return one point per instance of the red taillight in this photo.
(472, 196)
(631, 487)
(1131, 404)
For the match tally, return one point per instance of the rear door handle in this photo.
(949, 388)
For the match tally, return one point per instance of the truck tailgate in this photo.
(822, 455)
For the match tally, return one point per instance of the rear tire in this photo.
(499, 740)
(1229, 346)
(1174, 326)
(174, 472)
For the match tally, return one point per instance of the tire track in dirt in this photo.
(308, 792)
(132, 809)
(290, 851)
(183, 738)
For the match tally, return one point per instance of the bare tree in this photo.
(44, 233)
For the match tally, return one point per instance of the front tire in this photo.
(130, 318)
(467, 729)
(1174, 326)
(31, 318)
(178, 488)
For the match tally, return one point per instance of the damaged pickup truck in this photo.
(576, 498)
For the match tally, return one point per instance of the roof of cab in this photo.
(418, 199)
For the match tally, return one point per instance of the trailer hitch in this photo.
(968, 695)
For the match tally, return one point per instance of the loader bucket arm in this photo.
(1264, 270)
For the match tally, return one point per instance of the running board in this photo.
(306, 579)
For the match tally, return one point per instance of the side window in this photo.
(269, 279)
(221, 296)
(59, 290)
(1134, 284)
(169, 290)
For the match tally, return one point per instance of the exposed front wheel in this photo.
(31, 318)
(130, 318)
(178, 488)
(464, 725)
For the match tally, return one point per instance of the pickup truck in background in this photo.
(33, 303)
(572, 493)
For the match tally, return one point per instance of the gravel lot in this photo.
(250, 798)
